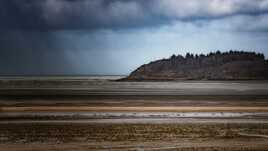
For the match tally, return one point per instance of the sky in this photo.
(114, 37)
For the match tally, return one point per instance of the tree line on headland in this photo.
(242, 54)
(231, 65)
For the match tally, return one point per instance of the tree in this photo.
(173, 56)
(191, 56)
(188, 55)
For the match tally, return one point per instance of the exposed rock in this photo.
(232, 65)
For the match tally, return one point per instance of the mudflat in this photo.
(108, 136)
(101, 114)
(107, 86)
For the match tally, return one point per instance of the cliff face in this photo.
(231, 65)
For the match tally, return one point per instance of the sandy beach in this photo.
(101, 114)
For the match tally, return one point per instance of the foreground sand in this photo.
(129, 133)
(248, 144)
(94, 136)
(86, 114)
(45, 130)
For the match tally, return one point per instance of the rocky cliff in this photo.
(232, 65)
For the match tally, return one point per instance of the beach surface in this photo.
(98, 113)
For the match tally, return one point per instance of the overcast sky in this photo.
(40, 37)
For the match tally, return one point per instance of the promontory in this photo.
(231, 65)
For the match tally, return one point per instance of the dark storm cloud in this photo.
(70, 14)
(117, 14)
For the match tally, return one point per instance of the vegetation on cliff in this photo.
(232, 65)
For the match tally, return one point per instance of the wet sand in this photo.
(71, 136)
(95, 113)
(106, 86)
(253, 144)
(134, 109)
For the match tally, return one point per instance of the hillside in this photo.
(232, 65)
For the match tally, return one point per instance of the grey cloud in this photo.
(117, 14)
(240, 23)
(210, 8)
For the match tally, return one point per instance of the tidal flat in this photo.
(99, 113)
(107, 136)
